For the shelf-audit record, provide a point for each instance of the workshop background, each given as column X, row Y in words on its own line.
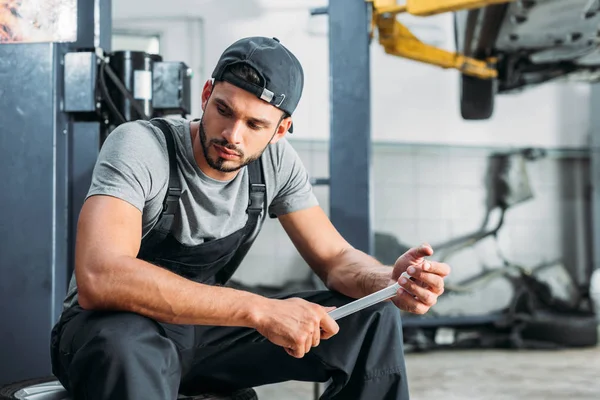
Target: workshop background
column 433, row 178
column 429, row 170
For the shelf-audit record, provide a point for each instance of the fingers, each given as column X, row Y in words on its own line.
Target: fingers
column 308, row 342
column 437, row 268
column 423, row 294
column 294, row 353
column 415, row 253
column 316, row 335
column 414, row 256
column 328, row 327
column 316, row 324
column 431, row 281
column 405, row 301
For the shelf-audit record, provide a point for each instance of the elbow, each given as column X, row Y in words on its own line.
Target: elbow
column 338, row 270
column 90, row 293
column 89, row 297
column 86, row 301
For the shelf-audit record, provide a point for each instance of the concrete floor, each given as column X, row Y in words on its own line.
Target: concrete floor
column 486, row 375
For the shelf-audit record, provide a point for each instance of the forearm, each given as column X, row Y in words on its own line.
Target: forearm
column 357, row 274
column 137, row 286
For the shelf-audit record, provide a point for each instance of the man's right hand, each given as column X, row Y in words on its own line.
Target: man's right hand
column 295, row 324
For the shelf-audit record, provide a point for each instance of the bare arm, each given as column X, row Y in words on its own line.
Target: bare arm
column 109, row 276
column 356, row 274
column 339, row 265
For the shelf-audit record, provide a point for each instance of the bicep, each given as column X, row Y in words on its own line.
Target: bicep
column 108, row 228
column 315, row 237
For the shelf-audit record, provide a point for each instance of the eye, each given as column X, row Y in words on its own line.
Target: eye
column 221, row 110
column 253, row 126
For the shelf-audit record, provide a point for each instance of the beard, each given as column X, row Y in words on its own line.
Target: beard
column 221, row 164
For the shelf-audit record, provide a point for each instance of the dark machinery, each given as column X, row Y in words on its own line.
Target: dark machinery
column 60, row 95
column 124, row 86
column 547, row 307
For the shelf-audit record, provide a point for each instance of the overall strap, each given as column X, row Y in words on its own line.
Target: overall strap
column 256, row 215
column 258, row 193
column 171, row 200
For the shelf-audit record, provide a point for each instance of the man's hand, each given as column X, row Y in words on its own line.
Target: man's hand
column 426, row 280
column 296, row 324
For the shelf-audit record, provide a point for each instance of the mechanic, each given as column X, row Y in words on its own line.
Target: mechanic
column 172, row 206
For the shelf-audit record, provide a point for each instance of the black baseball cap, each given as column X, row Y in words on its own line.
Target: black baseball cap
column 280, row 71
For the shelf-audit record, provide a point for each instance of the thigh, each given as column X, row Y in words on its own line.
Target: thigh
column 234, row 357
column 78, row 328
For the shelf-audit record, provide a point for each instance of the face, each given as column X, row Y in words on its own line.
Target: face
column 237, row 126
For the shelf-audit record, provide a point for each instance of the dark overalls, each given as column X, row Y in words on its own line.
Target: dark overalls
column 123, row 355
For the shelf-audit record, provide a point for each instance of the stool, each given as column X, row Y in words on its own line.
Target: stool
column 49, row 388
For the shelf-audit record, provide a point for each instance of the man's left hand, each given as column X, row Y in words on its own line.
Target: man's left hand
column 419, row 294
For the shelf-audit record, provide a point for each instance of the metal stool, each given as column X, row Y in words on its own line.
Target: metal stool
column 50, row 389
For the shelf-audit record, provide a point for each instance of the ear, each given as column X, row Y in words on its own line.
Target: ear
column 206, row 91
column 282, row 129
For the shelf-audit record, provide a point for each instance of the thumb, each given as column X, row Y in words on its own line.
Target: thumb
column 415, row 253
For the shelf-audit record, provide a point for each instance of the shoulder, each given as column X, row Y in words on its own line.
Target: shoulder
column 281, row 156
column 141, row 134
column 136, row 142
column 137, row 149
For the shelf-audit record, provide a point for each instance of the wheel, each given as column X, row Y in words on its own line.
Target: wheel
column 48, row 388
column 563, row 330
column 476, row 97
column 242, row 394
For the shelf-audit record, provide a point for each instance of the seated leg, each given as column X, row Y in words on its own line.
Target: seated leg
column 115, row 355
column 365, row 359
column 367, row 354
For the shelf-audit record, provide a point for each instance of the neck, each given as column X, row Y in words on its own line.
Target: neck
column 201, row 160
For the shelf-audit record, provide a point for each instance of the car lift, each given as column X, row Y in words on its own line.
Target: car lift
column 352, row 26
column 397, row 39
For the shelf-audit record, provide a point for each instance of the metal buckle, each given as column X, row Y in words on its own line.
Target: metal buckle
column 172, row 201
column 257, row 196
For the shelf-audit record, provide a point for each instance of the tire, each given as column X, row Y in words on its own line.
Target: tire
column 476, row 98
column 562, row 329
column 46, row 385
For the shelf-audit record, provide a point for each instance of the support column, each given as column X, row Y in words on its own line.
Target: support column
column 350, row 142
column 595, row 172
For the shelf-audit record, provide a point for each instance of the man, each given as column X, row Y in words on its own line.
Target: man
column 170, row 213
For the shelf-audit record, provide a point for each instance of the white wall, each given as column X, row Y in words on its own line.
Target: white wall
column 411, row 102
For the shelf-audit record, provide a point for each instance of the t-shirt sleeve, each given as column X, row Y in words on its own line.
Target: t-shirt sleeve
column 132, row 164
column 294, row 191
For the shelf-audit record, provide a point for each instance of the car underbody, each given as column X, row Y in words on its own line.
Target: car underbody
column 537, row 40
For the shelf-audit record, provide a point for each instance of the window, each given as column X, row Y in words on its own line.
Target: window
column 132, row 41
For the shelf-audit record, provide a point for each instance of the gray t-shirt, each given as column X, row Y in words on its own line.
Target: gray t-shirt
column 133, row 165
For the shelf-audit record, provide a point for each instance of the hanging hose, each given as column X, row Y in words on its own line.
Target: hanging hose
column 106, row 96
column 106, row 70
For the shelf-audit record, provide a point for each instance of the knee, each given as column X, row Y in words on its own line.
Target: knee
column 129, row 337
column 387, row 313
column 384, row 316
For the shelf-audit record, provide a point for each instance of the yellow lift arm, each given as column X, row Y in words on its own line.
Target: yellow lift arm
column 397, row 39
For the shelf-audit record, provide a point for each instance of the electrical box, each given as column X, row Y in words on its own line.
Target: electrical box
column 81, row 70
column 171, row 88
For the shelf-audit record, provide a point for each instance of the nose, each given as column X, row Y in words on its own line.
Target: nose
column 233, row 133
